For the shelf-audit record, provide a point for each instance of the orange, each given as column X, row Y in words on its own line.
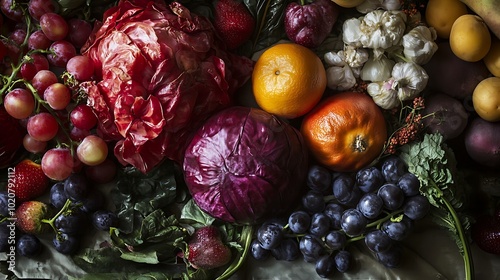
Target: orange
column 345, row 132
column 288, row 80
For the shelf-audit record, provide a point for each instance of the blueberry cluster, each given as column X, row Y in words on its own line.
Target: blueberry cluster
column 78, row 204
column 377, row 204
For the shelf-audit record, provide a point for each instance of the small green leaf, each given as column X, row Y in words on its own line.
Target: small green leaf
column 192, row 214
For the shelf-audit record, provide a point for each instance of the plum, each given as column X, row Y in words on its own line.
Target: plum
column 482, row 142
column 453, row 76
column 445, row 115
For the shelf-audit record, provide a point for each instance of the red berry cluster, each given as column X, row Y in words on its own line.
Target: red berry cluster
column 409, row 129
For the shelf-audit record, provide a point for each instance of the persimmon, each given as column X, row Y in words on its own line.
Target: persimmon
column 345, row 132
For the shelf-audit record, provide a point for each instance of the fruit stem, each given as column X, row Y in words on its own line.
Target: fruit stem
column 466, row 253
column 246, row 239
column 51, row 221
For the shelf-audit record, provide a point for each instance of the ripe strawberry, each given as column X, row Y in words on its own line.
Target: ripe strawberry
column 486, row 233
column 206, row 249
column 29, row 181
column 233, row 22
column 29, row 216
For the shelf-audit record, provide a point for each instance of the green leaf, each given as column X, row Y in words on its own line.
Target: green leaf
column 150, row 256
column 192, row 214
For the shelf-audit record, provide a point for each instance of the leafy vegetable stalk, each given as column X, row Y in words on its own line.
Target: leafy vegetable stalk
column 246, row 241
column 434, row 164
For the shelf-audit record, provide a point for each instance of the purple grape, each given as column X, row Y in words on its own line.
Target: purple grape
column 76, row 187
column 258, row 252
column 288, row 250
column 392, row 196
column 335, row 240
column 392, row 169
column 369, row 179
column 4, row 204
column 325, row 266
column 343, row 261
column 270, row 235
column 319, row 178
column 398, row 230
column 378, row 241
column 320, row 224
column 353, row 222
column 93, row 201
column 409, row 184
column 28, row 245
column 104, row 219
column 416, row 207
column 370, row 205
column 299, row 222
column 334, row 211
column 311, row 247
column 66, row 244
column 313, row 201
column 57, row 195
column 345, row 190
column 71, row 222
column 390, row 258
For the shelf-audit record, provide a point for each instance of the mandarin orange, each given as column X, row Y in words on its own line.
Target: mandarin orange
column 345, row 132
column 288, row 80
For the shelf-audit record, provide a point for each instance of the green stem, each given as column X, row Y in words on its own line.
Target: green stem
column 246, row 239
column 466, row 254
column 51, row 221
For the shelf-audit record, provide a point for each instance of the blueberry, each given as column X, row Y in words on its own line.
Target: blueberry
column 28, row 245
column 104, row 219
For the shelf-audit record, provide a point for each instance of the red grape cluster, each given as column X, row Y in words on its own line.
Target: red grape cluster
column 40, row 66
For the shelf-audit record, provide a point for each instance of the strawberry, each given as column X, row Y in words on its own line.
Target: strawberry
column 233, row 22
column 29, row 216
column 206, row 249
column 486, row 233
column 29, row 181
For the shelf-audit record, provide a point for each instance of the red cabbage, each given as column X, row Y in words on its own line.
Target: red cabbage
column 160, row 71
column 244, row 164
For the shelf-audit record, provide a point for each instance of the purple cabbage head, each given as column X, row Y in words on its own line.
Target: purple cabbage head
column 244, row 165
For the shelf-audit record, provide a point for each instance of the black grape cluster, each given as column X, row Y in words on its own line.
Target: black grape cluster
column 377, row 204
column 79, row 205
